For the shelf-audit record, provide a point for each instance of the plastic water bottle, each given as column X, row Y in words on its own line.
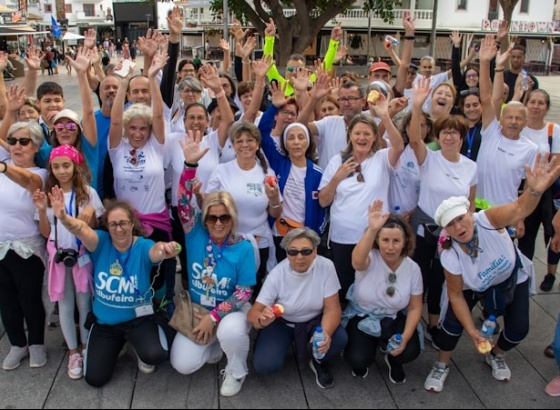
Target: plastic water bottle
column 524, row 80
column 512, row 231
column 397, row 210
column 394, row 342
column 391, row 40
column 318, row 336
column 488, row 327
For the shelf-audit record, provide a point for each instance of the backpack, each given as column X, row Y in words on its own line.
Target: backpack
column 555, row 187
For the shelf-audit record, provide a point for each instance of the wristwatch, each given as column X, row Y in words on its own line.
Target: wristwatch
column 5, row 167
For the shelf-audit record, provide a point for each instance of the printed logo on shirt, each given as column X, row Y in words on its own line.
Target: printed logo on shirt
column 315, row 194
column 410, row 164
column 498, row 267
column 209, row 283
column 113, row 288
column 255, row 189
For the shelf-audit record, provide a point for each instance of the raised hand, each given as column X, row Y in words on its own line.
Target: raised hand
column 56, row 197
column 300, row 79
column 209, row 74
column 237, row 31
column 246, row 49
column 33, row 58
column 456, row 37
column 3, row 60
column 503, row 30
column 224, row 45
column 261, row 67
column 408, row 23
column 159, row 61
column 376, row 219
column 40, row 200
column 83, row 60
column 16, row 98
column 191, row 147
column 336, row 83
column 543, row 174
column 175, row 21
column 90, row 38
column 149, row 45
column 340, row 53
column 381, row 107
column 488, row 48
column 336, row 33
column 322, row 86
column 278, row 94
column 502, row 58
column 421, row 92
column 270, row 29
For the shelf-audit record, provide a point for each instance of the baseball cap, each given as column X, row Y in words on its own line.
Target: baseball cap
column 380, row 65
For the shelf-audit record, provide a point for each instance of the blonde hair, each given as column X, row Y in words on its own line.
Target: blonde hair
column 220, row 198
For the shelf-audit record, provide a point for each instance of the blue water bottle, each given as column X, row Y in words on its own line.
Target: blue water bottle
column 318, row 336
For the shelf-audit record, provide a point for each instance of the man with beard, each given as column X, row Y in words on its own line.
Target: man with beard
column 516, row 62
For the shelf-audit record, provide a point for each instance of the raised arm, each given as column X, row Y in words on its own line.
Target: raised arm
column 498, row 87
column 31, row 78
column 158, row 123
column 455, row 37
column 245, row 52
column 260, row 68
column 486, row 53
column 406, row 56
column 76, row 227
column 3, row 91
column 116, row 129
column 226, row 62
column 268, row 49
column 381, row 110
column 336, row 35
column 149, row 46
column 376, row 220
column 82, row 64
column 175, row 22
column 16, row 99
column 320, row 89
column 419, row 96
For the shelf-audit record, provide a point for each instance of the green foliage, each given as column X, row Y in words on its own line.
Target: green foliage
column 383, row 8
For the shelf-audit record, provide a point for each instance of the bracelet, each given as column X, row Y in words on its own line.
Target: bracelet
column 499, row 70
column 220, row 94
column 188, row 165
column 536, row 193
column 246, row 62
column 409, row 37
column 259, row 85
column 275, row 206
column 5, row 167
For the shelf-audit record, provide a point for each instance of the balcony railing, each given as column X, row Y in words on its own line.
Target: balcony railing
column 361, row 14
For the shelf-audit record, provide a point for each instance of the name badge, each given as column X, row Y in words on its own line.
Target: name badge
column 83, row 261
column 208, row 301
column 144, row 310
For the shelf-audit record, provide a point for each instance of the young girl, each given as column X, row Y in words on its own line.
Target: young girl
column 70, row 269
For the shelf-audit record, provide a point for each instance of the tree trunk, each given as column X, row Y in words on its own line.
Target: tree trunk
column 294, row 39
column 507, row 7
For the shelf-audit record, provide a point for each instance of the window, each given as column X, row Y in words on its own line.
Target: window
column 524, row 6
column 68, row 8
column 493, row 10
column 48, row 8
column 89, row 10
column 461, row 4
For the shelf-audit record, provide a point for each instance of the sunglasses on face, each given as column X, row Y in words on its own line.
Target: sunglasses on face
column 70, row 126
column 213, row 219
column 24, row 142
column 291, row 69
column 392, row 278
column 295, row 252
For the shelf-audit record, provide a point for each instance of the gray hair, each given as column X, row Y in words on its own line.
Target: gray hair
column 429, row 58
column 35, row 131
column 297, row 233
column 190, row 82
column 138, row 111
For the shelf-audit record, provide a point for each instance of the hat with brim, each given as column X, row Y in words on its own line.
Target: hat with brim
column 70, row 115
column 450, row 209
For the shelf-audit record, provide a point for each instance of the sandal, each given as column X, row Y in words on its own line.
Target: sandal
column 548, row 352
column 548, row 282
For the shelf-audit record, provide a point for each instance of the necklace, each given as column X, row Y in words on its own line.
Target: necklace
column 210, row 263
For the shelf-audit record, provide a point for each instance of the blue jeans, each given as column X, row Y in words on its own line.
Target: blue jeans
column 556, row 342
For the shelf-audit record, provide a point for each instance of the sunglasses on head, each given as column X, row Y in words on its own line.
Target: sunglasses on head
column 360, row 176
column 470, row 91
column 22, row 141
column 224, row 219
column 70, row 126
column 392, row 278
column 295, row 252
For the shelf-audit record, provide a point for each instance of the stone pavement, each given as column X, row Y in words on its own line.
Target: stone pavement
column 469, row 385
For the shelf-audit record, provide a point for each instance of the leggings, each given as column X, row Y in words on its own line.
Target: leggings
column 342, row 259
column 516, row 321
column 21, row 284
column 106, row 341
column 361, row 348
column 542, row 214
column 66, row 312
column 432, row 272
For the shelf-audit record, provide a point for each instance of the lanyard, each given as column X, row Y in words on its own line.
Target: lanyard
column 211, row 261
column 69, row 212
column 470, row 140
column 122, row 259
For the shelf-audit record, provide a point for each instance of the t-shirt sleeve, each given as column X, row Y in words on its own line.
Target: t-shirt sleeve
column 555, row 139
column 330, row 170
column 332, row 284
column 247, row 266
column 450, row 261
column 417, row 287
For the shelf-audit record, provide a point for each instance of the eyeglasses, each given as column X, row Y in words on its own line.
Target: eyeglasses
column 189, row 91
column 411, row 73
column 471, row 76
column 360, row 176
column 122, row 224
column 291, row 69
column 288, row 113
column 349, row 99
column 133, row 157
column 24, row 142
column 213, row 219
column 70, row 126
column 470, row 91
column 452, row 133
column 304, row 252
column 392, row 279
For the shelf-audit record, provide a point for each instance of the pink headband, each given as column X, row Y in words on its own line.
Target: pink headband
column 67, row 151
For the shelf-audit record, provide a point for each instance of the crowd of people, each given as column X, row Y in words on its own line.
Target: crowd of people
column 348, row 206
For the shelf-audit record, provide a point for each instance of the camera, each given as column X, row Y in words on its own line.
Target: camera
column 68, row 257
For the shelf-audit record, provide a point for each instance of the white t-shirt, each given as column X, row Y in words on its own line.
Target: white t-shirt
column 18, row 210
column 247, row 189
column 492, row 266
column 65, row 239
column 293, row 206
column 142, row 185
column 404, row 188
column 332, row 138
column 501, row 164
column 350, row 206
column 435, row 80
column 174, row 159
column 370, row 286
column 540, row 137
column 301, row 294
column 440, row 179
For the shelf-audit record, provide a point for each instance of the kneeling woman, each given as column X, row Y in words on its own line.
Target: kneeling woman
column 388, row 283
column 482, row 263
column 122, row 302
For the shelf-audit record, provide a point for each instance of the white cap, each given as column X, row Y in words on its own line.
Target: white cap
column 450, row 209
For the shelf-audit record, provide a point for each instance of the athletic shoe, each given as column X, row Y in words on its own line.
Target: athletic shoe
column 323, row 376
column 37, row 356
column 14, row 358
column 75, row 366
column 396, row 372
column 500, row 370
column 231, row 386
column 436, row 378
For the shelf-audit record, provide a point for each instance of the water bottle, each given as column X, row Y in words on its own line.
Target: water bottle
column 318, row 336
column 397, row 210
column 487, row 331
column 394, row 342
column 512, row 231
column 524, row 80
column 391, row 40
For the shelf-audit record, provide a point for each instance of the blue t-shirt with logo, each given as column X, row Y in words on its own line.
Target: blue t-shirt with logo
column 235, row 266
column 120, row 280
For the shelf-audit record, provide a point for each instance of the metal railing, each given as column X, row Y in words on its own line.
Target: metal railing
column 361, row 14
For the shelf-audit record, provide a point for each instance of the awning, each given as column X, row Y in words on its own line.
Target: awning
column 33, row 16
column 16, row 30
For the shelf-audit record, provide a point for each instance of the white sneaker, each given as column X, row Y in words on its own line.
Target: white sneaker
column 230, row 386
column 436, row 377
column 214, row 360
column 144, row 367
column 500, row 370
column 75, row 366
column 14, row 358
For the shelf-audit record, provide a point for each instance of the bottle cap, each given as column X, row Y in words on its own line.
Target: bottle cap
column 398, row 336
column 492, row 318
column 319, row 329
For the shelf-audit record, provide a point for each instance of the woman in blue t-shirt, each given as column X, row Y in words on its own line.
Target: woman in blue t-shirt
column 123, row 289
